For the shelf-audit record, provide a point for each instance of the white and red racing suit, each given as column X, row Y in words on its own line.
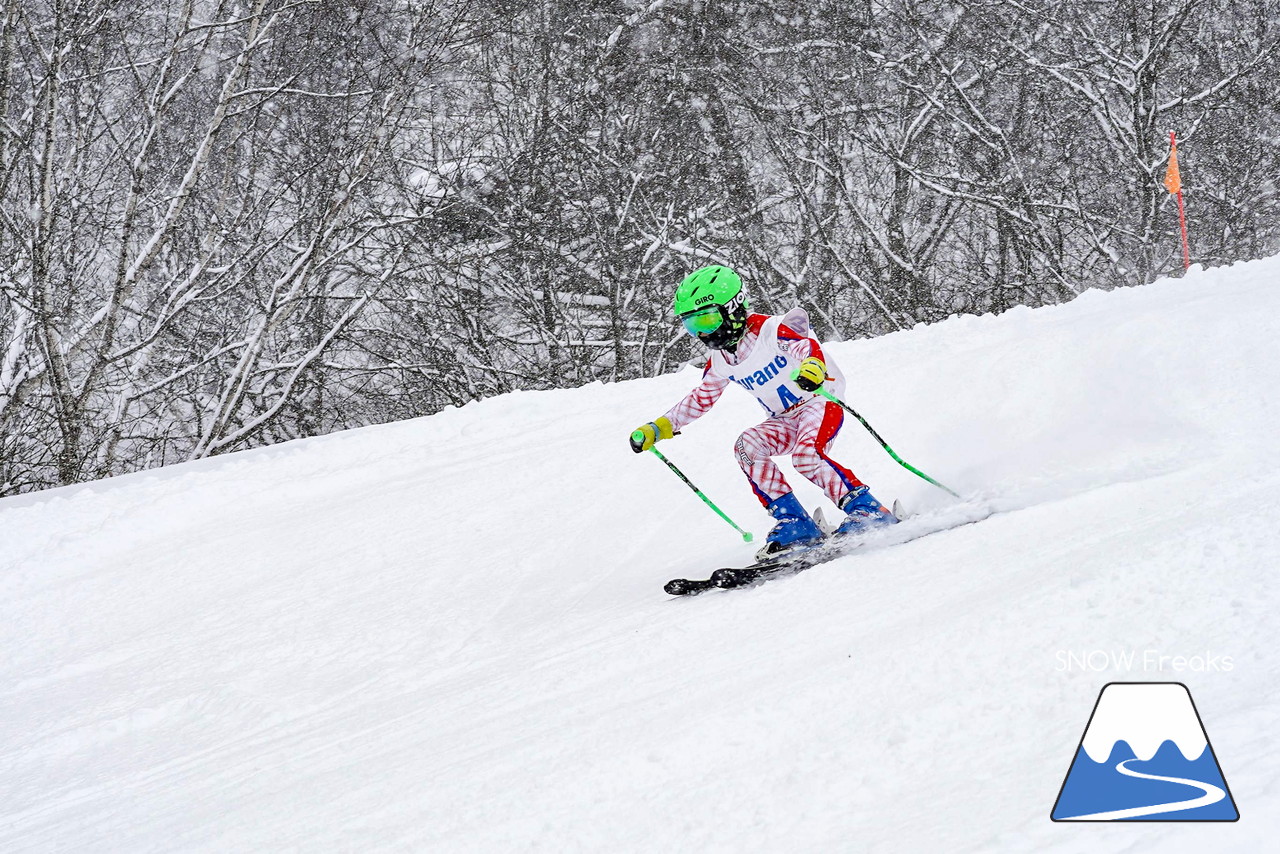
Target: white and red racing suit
column 800, row 423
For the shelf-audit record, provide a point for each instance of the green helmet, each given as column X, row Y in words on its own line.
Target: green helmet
column 712, row 305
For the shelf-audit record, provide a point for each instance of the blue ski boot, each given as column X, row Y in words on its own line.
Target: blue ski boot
column 862, row 513
column 795, row 527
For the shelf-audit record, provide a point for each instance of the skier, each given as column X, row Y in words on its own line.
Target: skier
column 761, row 353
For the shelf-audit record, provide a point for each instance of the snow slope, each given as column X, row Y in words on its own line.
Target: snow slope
column 450, row 633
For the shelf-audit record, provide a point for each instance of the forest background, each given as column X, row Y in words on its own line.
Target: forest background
column 228, row 224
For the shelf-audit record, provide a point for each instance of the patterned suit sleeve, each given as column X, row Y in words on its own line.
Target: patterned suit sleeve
column 698, row 401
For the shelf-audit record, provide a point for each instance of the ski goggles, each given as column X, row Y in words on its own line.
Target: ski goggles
column 704, row 321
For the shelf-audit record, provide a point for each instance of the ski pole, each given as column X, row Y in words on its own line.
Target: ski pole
column 638, row 436
column 900, row 461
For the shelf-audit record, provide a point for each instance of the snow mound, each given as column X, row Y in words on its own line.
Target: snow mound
column 450, row 633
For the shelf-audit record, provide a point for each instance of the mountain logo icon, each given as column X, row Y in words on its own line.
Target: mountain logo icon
column 1145, row 756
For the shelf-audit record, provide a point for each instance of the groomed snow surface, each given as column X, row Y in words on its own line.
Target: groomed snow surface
column 450, row 633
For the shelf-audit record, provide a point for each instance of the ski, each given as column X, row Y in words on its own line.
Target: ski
column 735, row 576
column 732, row 578
column 688, row 586
column 742, row 576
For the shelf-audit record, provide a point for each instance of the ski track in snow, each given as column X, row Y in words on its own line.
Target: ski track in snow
column 450, row 633
column 1210, row 794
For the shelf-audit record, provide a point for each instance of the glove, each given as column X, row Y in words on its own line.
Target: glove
column 654, row 431
column 812, row 373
